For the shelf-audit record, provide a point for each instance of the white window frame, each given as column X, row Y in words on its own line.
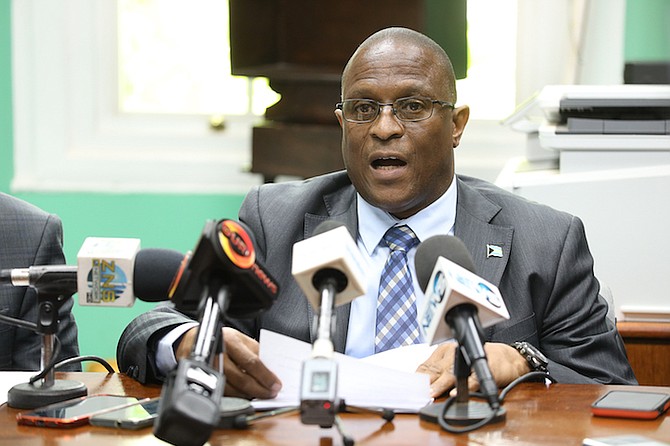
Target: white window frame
column 69, row 134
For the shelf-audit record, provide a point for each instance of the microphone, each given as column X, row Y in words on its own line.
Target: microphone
column 465, row 301
column 105, row 274
column 112, row 272
column 224, row 256
column 329, row 255
column 105, row 277
column 330, row 270
column 446, row 272
column 156, row 269
column 221, row 277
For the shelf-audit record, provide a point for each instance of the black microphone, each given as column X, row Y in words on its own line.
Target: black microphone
column 458, row 294
column 224, row 256
column 104, row 274
column 156, row 271
column 221, row 277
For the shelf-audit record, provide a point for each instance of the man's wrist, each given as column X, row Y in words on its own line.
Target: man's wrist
column 166, row 358
column 533, row 356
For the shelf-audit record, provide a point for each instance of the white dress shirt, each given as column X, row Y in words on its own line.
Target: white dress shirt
column 438, row 218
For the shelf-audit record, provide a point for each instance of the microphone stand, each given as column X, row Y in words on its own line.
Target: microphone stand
column 319, row 403
column 46, row 390
column 460, row 410
column 190, row 402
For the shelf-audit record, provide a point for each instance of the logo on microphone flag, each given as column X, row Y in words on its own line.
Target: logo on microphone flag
column 106, row 280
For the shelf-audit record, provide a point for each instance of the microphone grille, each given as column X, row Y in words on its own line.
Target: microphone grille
column 447, row 246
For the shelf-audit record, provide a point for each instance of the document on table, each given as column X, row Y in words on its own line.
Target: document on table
column 375, row 381
column 10, row 379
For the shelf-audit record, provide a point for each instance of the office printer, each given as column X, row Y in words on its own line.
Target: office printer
column 603, row 153
column 605, row 117
column 614, row 116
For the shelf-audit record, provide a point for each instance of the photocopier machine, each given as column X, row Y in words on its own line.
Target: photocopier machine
column 602, row 153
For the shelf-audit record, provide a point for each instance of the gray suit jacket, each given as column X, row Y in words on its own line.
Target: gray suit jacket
column 545, row 275
column 30, row 236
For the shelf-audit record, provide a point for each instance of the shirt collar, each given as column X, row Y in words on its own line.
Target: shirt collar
column 438, row 218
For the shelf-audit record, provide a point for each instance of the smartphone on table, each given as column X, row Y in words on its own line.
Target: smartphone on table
column 631, row 404
column 74, row 412
column 136, row 416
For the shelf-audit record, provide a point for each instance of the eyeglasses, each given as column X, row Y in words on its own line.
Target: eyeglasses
column 406, row 109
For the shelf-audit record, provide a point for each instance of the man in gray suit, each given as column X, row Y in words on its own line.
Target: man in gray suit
column 399, row 131
column 29, row 236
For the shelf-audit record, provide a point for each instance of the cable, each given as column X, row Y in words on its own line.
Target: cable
column 18, row 322
column 459, row 430
column 455, row 430
column 527, row 377
column 77, row 359
column 50, row 365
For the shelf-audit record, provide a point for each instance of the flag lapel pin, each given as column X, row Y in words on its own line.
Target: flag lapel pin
column 493, row 251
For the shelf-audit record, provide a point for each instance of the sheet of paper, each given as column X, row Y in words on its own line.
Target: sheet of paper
column 405, row 359
column 360, row 382
column 9, row 380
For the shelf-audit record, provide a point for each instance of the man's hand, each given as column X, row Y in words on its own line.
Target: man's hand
column 246, row 376
column 505, row 362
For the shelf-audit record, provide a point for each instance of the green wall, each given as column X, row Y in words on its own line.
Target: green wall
column 159, row 220
column 647, row 31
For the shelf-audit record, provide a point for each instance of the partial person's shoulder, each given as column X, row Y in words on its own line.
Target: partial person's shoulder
column 13, row 207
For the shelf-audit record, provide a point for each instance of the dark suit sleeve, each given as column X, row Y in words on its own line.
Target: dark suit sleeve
column 575, row 335
column 136, row 350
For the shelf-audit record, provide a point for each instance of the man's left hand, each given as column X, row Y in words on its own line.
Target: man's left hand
column 505, row 362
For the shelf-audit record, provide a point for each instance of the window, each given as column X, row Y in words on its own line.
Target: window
column 72, row 132
column 90, row 115
column 174, row 59
column 489, row 89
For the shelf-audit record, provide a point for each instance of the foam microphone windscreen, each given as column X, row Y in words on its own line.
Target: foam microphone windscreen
column 447, row 246
column 155, row 269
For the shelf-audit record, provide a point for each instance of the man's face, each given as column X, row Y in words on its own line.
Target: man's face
column 400, row 167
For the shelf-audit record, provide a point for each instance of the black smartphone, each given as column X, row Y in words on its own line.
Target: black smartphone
column 631, row 404
column 74, row 412
column 136, row 416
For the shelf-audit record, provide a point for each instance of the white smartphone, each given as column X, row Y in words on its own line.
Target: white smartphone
column 136, row 416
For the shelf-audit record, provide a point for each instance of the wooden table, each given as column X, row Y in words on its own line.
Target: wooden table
column 536, row 415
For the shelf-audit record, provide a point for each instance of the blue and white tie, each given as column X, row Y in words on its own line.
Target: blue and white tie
column 397, row 322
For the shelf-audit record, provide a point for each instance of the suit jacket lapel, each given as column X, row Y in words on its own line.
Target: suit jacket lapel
column 488, row 243
column 341, row 207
